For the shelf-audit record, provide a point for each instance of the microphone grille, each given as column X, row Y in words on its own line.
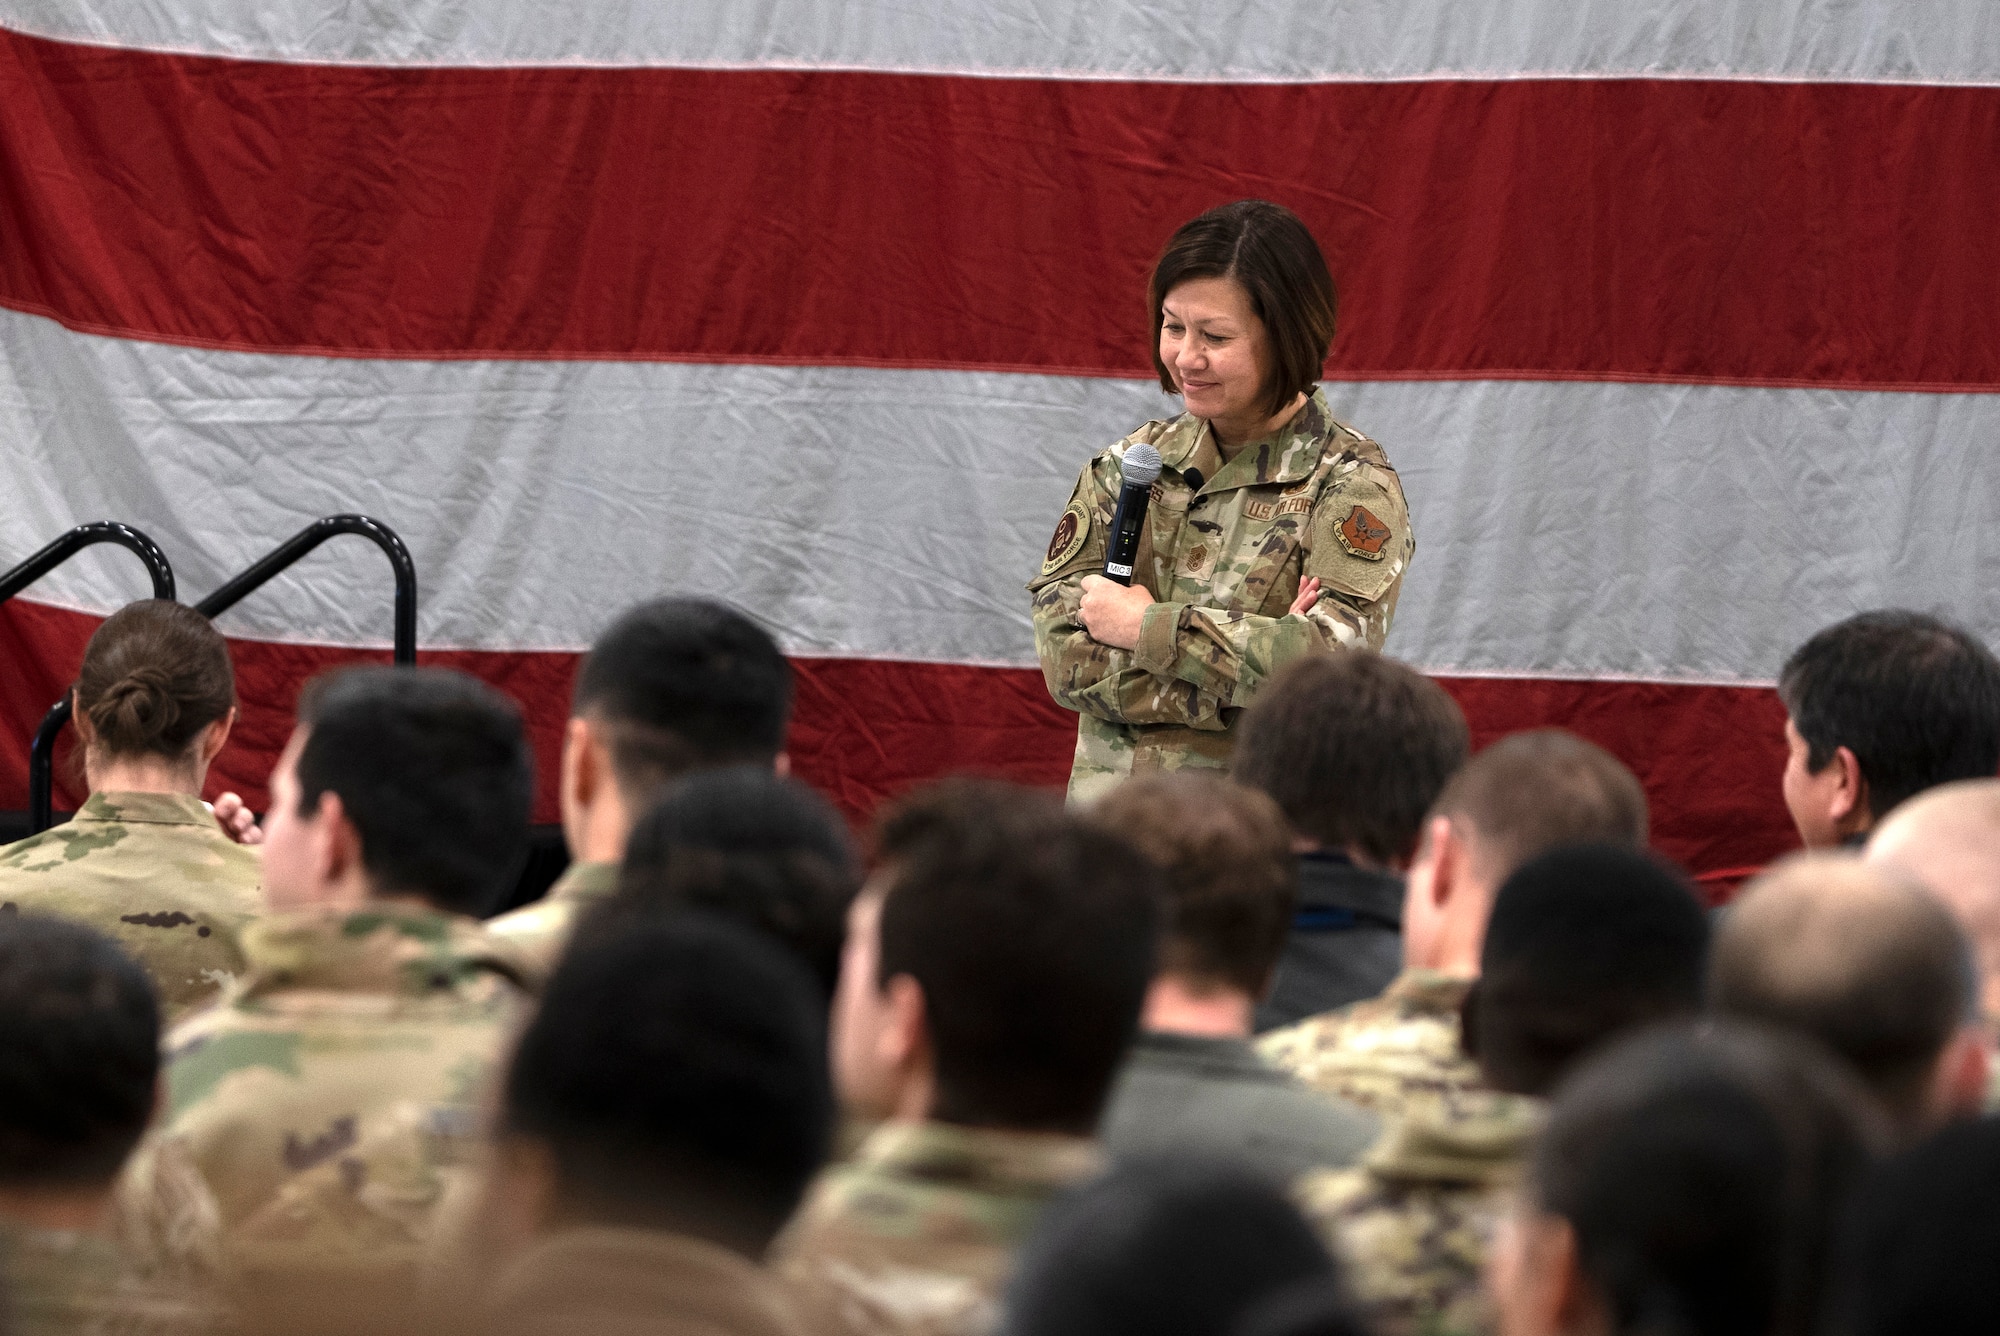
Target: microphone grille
column 1141, row 467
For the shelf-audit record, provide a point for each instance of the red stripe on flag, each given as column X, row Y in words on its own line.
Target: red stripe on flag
column 864, row 730
column 1627, row 229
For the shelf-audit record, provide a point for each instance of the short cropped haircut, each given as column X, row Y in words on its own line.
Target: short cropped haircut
column 1585, row 943
column 1162, row 1247
column 744, row 844
column 1870, row 966
column 1916, row 699
column 1268, row 249
column 79, row 1053
column 1231, row 880
column 677, row 1072
column 1032, row 934
column 683, row 684
column 1701, row 1171
column 1355, row 748
column 153, row 677
column 433, row 770
column 1917, row 1251
column 1532, row 792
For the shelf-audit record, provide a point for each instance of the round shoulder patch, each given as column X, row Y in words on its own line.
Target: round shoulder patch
column 1072, row 531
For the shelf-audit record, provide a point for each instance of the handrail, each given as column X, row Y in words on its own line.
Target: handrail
column 82, row 536
column 41, row 756
column 40, row 804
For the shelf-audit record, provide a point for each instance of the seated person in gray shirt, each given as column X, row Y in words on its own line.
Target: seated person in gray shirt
column 1354, row 748
column 1193, row 1084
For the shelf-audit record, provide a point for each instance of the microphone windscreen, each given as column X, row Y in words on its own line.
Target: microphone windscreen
column 1141, row 467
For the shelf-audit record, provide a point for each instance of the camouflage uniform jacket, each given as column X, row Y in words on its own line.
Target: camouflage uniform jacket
column 68, row 1283
column 316, row 1115
column 916, row 1235
column 536, row 934
column 1225, row 561
column 1396, row 1054
column 153, row 872
column 608, row 1281
column 1414, row 1224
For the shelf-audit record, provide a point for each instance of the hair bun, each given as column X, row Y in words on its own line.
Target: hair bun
column 137, row 710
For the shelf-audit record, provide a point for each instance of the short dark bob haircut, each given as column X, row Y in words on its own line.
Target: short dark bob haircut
column 1266, row 248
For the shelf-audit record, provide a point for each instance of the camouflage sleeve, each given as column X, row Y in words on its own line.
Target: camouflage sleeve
column 1087, row 675
column 1357, row 544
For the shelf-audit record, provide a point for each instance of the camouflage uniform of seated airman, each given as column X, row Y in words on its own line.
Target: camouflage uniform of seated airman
column 153, row 872
column 323, row 1107
column 1395, row 1055
column 1413, row 1224
column 1225, row 561
column 536, row 934
column 916, row 1235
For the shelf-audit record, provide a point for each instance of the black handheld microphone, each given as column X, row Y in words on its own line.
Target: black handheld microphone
column 1140, row 470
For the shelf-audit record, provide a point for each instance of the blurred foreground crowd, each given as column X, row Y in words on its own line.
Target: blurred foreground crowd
column 1372, row 1036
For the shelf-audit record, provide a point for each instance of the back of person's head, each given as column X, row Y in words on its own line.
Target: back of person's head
column 1535, row 791
column 1915, row 699
column 1916, row 1256
column 676, row 1073
column 1586, row 942
column 1948, row 839
column 154, row 675
column 1355, row 748
column 1231, row 879
column 432, row 769
column 79, row 1054
column 1161, row 1248
column 1698, row 1174
column 681, row 684
column 1870, row 966
column 748, row 845
column 1032, row 934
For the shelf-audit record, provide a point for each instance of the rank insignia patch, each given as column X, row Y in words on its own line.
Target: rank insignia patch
column 1071, row 532
column 1362, row 534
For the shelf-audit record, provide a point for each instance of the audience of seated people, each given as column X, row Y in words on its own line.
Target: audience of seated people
column 1585, row 943
column 674, row 686
column 143, row 861
column 1355, row 748
column 1193, row 1084
column 1522, row 796
column 1039, row 1035
column 1879, row 708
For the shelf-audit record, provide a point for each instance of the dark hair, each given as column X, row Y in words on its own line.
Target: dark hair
column 1032, row 934
column 1914, row 698
column 79, row 1053
column 1355, row 748
column 1232, row 883
column 1876, row 970
column 677, row 1072
column 1916, row 1253
column 1701, row 1171
column 1161, row 1247
column 1585, row 943
column 153, row 677
column 1532, row 792
column 1266, row 248
column 432, row 769
column 749, row 846
column 684, row 684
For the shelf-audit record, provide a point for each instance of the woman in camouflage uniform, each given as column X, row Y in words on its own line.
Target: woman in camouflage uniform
column 1274, row 530
column 144, row 861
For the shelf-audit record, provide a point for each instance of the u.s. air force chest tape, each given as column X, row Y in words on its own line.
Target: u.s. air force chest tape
column 1072, row 532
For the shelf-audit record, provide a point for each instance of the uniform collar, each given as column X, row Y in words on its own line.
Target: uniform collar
column 978, row 1158
column 585, row 881
column 1288, row 456
column 382, row 950
column 148, row 809
column 1429, row 993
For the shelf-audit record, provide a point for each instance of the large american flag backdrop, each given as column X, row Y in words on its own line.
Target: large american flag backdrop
column 1680, row 320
